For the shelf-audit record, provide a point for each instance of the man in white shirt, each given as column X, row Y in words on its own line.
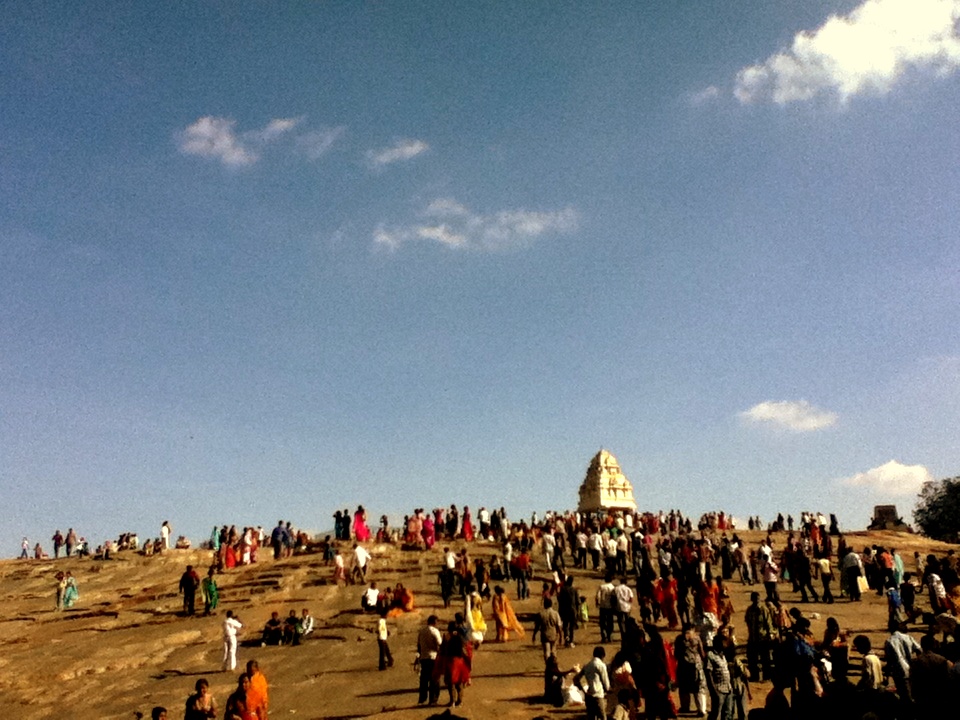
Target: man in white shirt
column 368, row 602
column 428, row 645
column 595, row 545
column 360, row 560
column 624, row 606
column 606, row 603
column 549, row 543
column 230, row 627
column 597, row 684
column 306, row 623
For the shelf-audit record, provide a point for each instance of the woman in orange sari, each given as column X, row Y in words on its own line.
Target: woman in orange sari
column 504, row 615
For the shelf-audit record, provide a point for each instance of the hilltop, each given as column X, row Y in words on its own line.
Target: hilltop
column 125, row 647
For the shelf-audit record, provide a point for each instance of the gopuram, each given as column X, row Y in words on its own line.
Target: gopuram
column 605, row 487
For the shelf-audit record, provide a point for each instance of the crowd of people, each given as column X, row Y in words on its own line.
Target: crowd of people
column 663, row 570
column 659, row 584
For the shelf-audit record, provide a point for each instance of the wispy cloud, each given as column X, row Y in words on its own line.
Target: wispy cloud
column 867, row 50
column 217, row 138
column 701, row 97
column 892, row 478
column 316, row 143
column 275, row 129
column 399, row 151
column 214, row 137
column 795, row 415
column 454, row 225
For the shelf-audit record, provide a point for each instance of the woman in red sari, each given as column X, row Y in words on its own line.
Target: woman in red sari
column 666, row 594
column 658, row 677
column 467, row 530
column 454, row 661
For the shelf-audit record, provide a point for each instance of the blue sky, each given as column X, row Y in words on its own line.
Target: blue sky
column 263, row 262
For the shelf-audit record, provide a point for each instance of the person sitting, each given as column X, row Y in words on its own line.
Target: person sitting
column 403, row 598
column 291, row 629
column 368, row 602
column 306, row 623
column 272, row 631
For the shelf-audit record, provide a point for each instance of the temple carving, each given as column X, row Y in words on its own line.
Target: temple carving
column 605, row 487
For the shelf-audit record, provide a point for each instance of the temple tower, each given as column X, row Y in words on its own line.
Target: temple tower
column 605, row 487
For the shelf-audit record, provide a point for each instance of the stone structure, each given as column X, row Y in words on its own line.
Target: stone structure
column 885, row 518
column 605, row 487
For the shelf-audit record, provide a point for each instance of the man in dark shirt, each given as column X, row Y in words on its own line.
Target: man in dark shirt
column 929, row 679
column 189, row 582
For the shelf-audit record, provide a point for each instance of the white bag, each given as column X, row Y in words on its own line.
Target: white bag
column 572, row 695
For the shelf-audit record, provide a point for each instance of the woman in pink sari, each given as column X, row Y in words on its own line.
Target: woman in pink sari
column 429, row 532
column 361, row 532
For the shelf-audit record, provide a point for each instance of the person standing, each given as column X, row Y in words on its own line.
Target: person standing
column 386, row 658
column 24, row 549
column 61, row 588
column 718, row 682
column 211, row 595
column 57, row 544
column 165, row 531
column 361, row 559
column 550, row 627
column 201, row 704
column 623, row 596
column 189, row 582
column 598, row 683
column 760, row 635
column 276, row 539
column 71, row 592
column 852, row 572
column 236, row 707
column 568, row 602
column 71, row 542
column 230, row 627
column 428, row 645
column 898, row 651
column 691, row 679
column 257, row 695
column 504, row 615
column 606, row 602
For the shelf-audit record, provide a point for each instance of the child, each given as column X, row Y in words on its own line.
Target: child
column 386, row 659
column 622, row 710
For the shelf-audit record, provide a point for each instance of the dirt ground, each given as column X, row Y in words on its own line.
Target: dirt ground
column 124, row 647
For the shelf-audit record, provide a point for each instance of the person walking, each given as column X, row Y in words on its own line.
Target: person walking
column 428, row 645
column 230, row 627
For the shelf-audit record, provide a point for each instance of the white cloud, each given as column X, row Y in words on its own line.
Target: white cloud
column 868, row 49
column 446, row 207
column 316, row 143
column 275, row 128
column 401, row 150
column 892, row 478
column 214, row 137
column 442, row 234
column 799, row 416
column 464, row 229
